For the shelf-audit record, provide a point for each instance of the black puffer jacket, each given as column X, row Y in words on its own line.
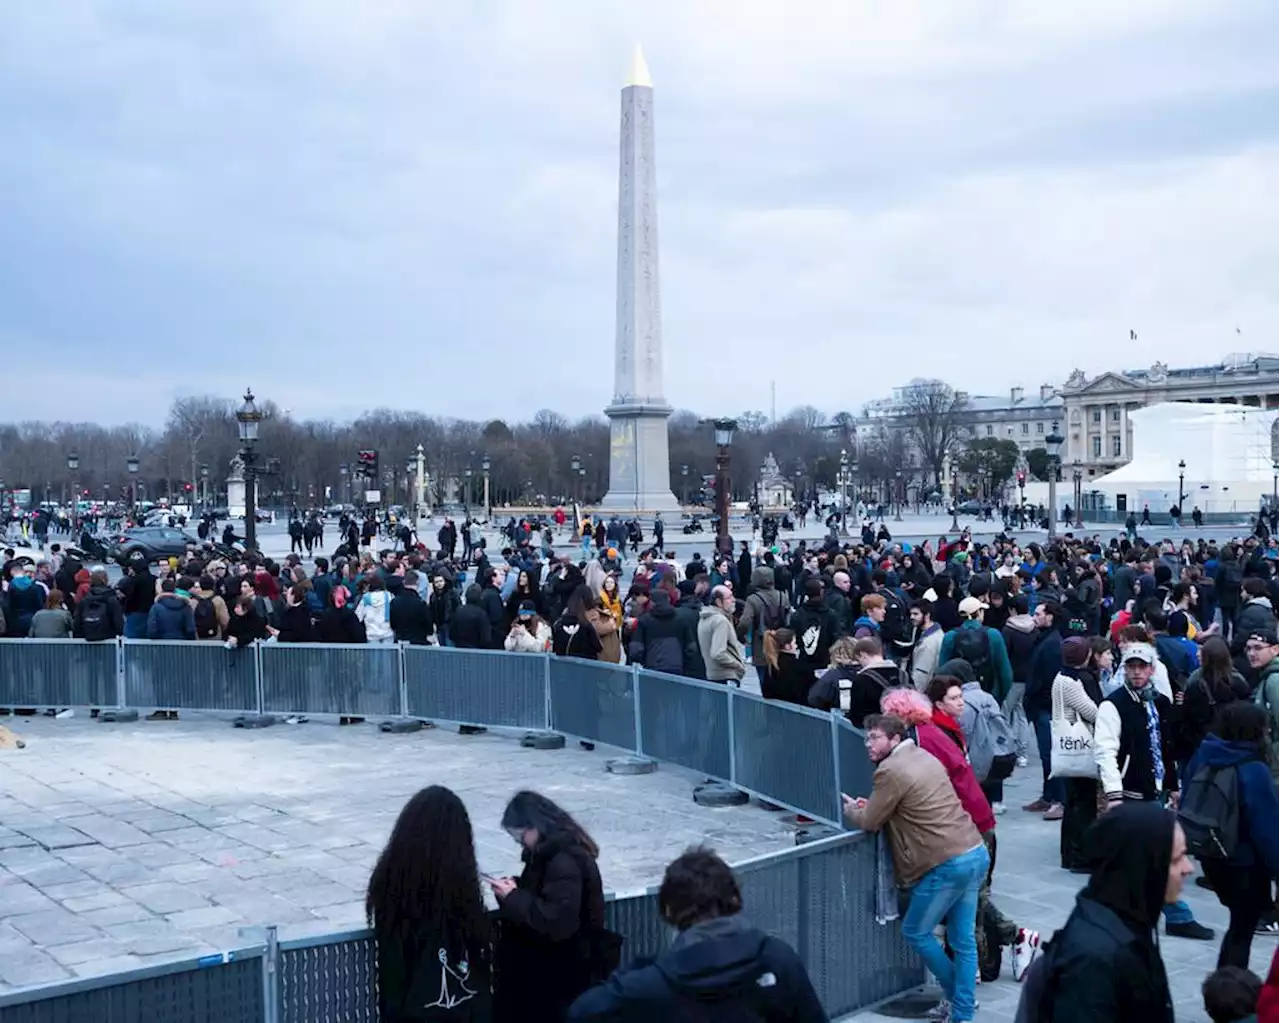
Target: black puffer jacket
column 542, row 958
column 1104, row 966
column 815, row 629
column 664, row 640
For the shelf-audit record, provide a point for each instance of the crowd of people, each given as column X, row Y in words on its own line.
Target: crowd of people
column 1144, row 673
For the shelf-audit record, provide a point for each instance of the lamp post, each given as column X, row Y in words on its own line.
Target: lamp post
column 843, row 482
column 488, row 503
column 419, row 481
column 466, row 500
column 575, row 463
column 897, row 494
column 1053, row 445
column 1275, row 487
column 248, row 417
column 1077, row 474
column 342, row 483
column 131, row 463
column 684, row 485
column 204, row 487
column 582, row 483
column 724, row 429
column 1182, row 475
column 955, row 500
column 73, row 466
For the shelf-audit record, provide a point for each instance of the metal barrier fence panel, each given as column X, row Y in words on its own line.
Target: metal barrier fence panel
column 636, row 918
column 856, row 768
column 476, row 687
column 770, row 896
column 330, row 678
column 593, row 700
column 329, row 980
column 783, row 753
column 853, row 960
column 685, row 722
column 186, row 675
column 57, row 673
column 207, row 991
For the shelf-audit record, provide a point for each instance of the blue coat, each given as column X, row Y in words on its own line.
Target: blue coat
column 171, row 617
column 1259, row 820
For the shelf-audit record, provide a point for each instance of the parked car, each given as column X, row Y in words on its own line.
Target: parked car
column 969, row 507
column 149, row 543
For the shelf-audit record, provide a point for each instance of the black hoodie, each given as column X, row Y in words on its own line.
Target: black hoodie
column 1104, row 966
column 722, row 969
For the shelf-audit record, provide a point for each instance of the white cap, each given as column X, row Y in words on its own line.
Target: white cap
column 1144, row 652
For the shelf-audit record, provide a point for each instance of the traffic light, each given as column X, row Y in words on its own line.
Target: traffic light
column 1022, row 477
column 367, row 460
column 188, row 488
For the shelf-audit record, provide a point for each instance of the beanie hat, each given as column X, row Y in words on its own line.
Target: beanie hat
column 1075, row 652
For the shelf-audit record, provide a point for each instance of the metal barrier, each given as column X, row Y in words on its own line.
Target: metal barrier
column 685, row 722
column 786, row 754
column 58, row 673
column 356, row 679
column 593, row 700
column 476, row 687
column 855, row 766
column 181, row 675
column 819, row 898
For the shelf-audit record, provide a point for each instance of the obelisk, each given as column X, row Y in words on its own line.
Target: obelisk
column 639, row 463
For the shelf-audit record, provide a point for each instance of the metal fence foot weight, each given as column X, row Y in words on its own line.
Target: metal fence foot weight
column 814, row 833
column 542, row 740
column 118, row 715
column 254, row 721
column 403, row 726
column 631, row 765
column 350, row 719
column 716, row 794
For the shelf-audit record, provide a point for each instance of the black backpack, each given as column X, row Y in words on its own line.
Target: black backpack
column 974, row 646
column 206, row 616
column 772, row 616
column 1209, row 812
column 95, row 618
column 893, row 628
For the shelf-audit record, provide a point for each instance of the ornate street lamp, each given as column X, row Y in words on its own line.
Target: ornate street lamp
column 485, row 465
column 842, row 481
column 1182, row 475
column 724, row 430
column 684, row 484
column 248, row 417
column 1077, row 474
column 1053, row 445
column 897, row 494
column 131, row 463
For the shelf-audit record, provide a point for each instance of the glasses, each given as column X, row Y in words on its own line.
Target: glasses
column 1253, row 648
column 872, row 738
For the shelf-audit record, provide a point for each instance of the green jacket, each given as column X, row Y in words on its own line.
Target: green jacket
column 1268, row 698
column 997, row 678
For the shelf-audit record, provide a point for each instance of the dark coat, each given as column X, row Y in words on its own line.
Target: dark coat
column 662, row 639
column 22, row 600
column 841, row 608
column 443, row 605
column 339, row 625
column 171, row 617
column 294, row 623
column 717, row 969
column 542, row 953
column 1199, row 705
column 570, row 638
column 491, row 602
column 139, row 592
column 1046, row 662
column 410, row 618
column 246, row 628
column 412, row 980
column 115, row 613
column 815, row 629
column 790, row 682
column 868, row 686
column 471, row 629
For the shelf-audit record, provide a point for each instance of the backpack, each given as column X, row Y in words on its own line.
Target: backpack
column 206, row 618
column 772, row 616
column 95, row 618
column 893, row 628
column 974, row 646
column 1209, row 812
column 991, row 748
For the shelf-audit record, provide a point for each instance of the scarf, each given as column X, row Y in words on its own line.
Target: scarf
column 951, row 727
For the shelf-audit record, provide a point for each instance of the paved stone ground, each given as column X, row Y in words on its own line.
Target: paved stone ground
column 1031, row 888
column 122, row 845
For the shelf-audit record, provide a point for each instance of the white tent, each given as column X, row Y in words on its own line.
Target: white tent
column 1229, row 451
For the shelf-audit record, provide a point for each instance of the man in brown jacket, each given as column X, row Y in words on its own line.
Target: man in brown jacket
column 937, row 854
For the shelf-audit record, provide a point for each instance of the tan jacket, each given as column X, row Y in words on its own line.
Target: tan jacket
column 911, row 791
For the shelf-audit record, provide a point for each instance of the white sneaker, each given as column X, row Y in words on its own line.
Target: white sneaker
column 940, row 1012
column 1022, row 761
column 1025, row 950
column 998, row 808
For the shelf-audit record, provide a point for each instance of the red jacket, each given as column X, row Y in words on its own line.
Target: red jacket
column 1267, row 999
column 931, row 738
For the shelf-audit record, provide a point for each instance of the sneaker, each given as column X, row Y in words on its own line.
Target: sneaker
column 1266, row 927
column 1039, row 806
column 1025, row 950
column 1054, row 813
column 940, row 1013
column 1022, row 761
column 1192, row 929
column 998, row 809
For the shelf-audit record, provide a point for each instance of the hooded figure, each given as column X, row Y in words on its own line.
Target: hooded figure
column 1104, row 966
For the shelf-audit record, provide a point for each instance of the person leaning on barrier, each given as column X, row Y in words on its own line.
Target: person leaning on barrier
column 245, row 624
column 718, row 966
column 471, row 629
column 54, row 621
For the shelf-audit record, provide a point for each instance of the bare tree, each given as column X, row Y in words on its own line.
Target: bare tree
column 932, row 413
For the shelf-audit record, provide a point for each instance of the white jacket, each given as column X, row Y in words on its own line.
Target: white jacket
column 374, row 612
column 924, row 658
column 522, row 641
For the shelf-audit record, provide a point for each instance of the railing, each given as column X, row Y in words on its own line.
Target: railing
column 820, row 898
column 792, row 756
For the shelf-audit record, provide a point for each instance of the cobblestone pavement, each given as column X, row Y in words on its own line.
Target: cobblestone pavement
column 122, row 845
column 1032, row 889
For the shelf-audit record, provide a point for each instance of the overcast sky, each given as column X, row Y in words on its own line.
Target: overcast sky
column 412, row 203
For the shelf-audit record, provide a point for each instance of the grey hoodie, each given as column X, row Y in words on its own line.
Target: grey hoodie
column 763, row 604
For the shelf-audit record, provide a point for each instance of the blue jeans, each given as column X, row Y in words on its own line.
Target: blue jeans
column 1053, row 791
column 949, row 892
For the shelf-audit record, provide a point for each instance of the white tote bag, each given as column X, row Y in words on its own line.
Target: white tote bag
column 1071, row 742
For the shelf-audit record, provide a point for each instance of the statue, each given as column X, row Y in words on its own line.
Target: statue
column 237, row 468
column 1158, row 373
column 1076, row 380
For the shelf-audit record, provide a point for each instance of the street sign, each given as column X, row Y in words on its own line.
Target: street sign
column 372, row 496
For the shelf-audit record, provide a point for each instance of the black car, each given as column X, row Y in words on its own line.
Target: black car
column 150, row 543
column 969, row 507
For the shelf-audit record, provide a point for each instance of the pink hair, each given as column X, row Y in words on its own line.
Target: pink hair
column 913, row 707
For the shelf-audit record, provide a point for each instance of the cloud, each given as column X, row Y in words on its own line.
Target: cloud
column 413, row 204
